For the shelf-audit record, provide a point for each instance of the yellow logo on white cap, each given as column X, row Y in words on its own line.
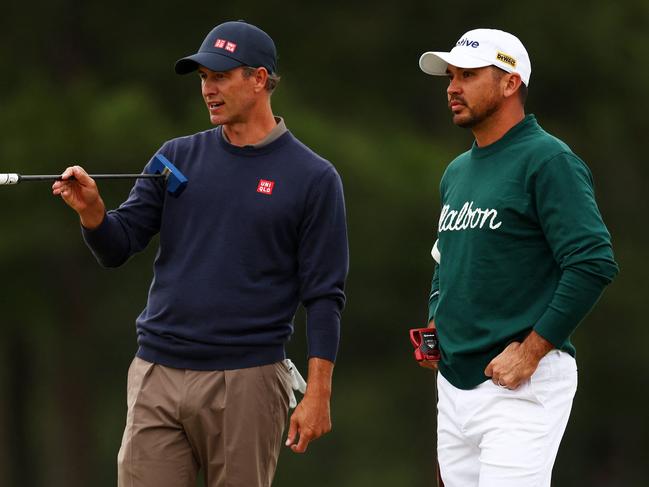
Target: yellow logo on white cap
column 505, row 58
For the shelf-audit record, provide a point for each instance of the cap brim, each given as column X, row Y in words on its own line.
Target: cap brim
column 436, row 63
column 211, row 60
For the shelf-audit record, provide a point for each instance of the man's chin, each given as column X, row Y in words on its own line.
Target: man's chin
column 218, row 119
column 464, row 122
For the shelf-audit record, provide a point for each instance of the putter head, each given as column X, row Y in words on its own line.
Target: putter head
column 176, row 181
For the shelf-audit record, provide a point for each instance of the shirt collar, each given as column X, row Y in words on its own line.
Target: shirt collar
column 276, row 132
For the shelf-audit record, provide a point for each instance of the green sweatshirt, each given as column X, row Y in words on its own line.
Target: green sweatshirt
column 523, row 247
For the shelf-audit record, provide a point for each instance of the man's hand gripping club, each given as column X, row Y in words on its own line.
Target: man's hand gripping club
column 82, row 195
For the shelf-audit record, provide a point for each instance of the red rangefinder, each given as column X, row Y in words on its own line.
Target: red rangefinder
column 426, row 344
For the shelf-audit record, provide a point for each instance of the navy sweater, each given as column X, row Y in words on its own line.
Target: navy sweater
column 256, row 232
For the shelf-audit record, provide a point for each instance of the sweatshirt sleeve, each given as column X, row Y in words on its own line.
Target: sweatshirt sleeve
column 579, row 240
column 434, row 294
column 433, row 299
column 323, row 260
column 128, row 229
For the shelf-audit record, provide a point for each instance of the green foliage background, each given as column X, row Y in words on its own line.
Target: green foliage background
column 92, row 83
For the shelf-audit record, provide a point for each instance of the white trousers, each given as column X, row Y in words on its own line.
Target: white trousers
column 490, row 436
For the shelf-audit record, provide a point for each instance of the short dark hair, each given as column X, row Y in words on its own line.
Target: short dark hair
column 271, row 82
column 522, row 93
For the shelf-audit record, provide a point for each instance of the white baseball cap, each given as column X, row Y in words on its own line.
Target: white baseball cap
column 479, row 48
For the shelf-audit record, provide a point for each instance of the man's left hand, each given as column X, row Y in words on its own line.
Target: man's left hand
column 518, row 361
column 312, row 418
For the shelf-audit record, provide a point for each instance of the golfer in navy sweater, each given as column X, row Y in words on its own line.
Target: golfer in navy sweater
column 259, row 228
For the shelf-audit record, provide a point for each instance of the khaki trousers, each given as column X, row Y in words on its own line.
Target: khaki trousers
column 227, row 423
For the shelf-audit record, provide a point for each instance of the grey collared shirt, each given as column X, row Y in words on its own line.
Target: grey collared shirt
column 277, row 131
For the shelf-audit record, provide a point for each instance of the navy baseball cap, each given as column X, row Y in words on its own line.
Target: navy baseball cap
column 230, row 45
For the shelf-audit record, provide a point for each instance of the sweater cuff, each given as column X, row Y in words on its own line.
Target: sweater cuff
column 552, row 328
column 104, row 243
column 96, row 234
column 323, row 329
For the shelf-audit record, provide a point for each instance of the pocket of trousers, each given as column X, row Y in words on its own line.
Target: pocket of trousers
column 557, row 372
column 138, row 371
column 277, row 387
column 284, row 384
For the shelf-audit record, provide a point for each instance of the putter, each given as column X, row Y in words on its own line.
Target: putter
column 161, row 167
column 426, row 345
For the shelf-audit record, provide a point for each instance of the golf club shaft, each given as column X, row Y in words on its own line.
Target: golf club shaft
column 160, row 167
column 57, row 177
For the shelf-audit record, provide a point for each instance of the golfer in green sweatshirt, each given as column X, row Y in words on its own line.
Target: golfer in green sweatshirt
column 523, row 256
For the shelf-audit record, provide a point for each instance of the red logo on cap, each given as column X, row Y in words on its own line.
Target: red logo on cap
column 220, row 43
column 231, row 46
column 265, row 187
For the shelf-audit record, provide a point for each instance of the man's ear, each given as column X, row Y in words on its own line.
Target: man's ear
column 261, row 76
column 512, row 81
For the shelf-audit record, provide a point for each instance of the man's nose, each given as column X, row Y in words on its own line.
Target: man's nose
column 453, row 88
column 208, row 88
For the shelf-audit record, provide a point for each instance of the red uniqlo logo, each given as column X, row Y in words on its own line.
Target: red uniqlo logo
column 231, row 46
column 220, row 43
column 265, row 187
